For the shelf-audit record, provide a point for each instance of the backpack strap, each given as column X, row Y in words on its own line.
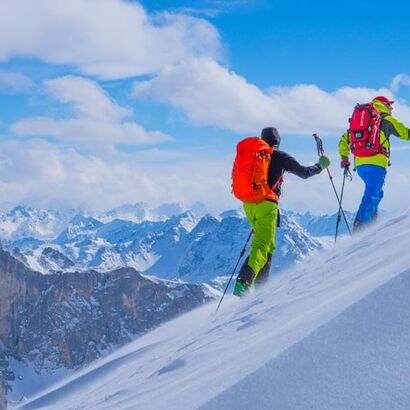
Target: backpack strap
column 387, row 138
column 277, row 185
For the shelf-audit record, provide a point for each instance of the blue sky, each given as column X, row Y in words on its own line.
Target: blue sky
column 112, row 101
column 308, row 42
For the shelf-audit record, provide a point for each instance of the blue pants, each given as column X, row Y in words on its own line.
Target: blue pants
column 373, row 177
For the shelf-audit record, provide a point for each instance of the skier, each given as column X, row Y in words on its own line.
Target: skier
column 370, row 146
column 263, row 213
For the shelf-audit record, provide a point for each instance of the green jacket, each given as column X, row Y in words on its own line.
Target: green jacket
column 389, row 126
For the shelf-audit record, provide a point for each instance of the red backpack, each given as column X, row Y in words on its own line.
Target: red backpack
column 364, row 131
column 250, row 171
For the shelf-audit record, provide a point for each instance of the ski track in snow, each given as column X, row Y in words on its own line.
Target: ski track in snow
column 331, row 334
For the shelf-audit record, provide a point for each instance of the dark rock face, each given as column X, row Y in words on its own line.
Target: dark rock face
column 20, row 289
column 70, row 319
column 51, row 259
column 3, row 404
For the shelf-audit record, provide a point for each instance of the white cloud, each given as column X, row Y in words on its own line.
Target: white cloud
column 15, row 81
column 212, row 8
column 316, row 194
column 396, row 189
column 89, row 100
column 105, row 38
column 398, row 81
column 39, row 172
column 211, row 95
column 97, row 118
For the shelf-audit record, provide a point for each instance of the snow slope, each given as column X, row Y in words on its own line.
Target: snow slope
column 331, row 334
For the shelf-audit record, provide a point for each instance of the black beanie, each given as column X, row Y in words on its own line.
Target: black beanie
column 271, row 136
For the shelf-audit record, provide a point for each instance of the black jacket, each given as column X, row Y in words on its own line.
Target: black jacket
column 281, row 162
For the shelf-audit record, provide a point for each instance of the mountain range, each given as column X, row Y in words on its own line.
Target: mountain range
column 170, row 244
column 74, row 286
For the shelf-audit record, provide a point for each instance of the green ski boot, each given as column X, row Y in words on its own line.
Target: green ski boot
column 244, row 280
column 240, row 289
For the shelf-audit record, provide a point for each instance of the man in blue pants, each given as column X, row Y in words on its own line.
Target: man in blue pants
column 373, row 177
column 372, row 168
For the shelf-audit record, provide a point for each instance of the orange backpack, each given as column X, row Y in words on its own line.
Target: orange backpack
column 250, row 171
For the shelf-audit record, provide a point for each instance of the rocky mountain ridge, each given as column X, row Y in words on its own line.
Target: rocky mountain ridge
column 65, row 320
column 3, row 402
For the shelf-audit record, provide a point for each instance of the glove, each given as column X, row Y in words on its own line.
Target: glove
column 345, row 163
column 324, row 162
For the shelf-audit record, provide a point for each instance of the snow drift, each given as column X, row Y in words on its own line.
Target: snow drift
column 332, row 333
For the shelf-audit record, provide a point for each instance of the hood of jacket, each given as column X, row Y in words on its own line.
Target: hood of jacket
column 381, row 107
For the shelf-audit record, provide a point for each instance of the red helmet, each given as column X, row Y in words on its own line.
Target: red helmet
column 383, row 99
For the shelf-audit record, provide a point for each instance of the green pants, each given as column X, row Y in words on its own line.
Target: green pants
column 262, row 217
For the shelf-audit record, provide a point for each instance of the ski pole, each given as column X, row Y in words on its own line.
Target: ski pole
column 346, row 175
column 234, row 269
column 320, row 152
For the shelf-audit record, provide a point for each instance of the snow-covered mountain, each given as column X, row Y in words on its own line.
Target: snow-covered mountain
column 141, row 211
column 214, row 246
column 323, row 225
column 331, row 334
column 184, row 246
column 25, row 222
column 22, row 222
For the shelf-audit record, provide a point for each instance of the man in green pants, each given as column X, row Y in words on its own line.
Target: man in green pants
column 263, row 215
